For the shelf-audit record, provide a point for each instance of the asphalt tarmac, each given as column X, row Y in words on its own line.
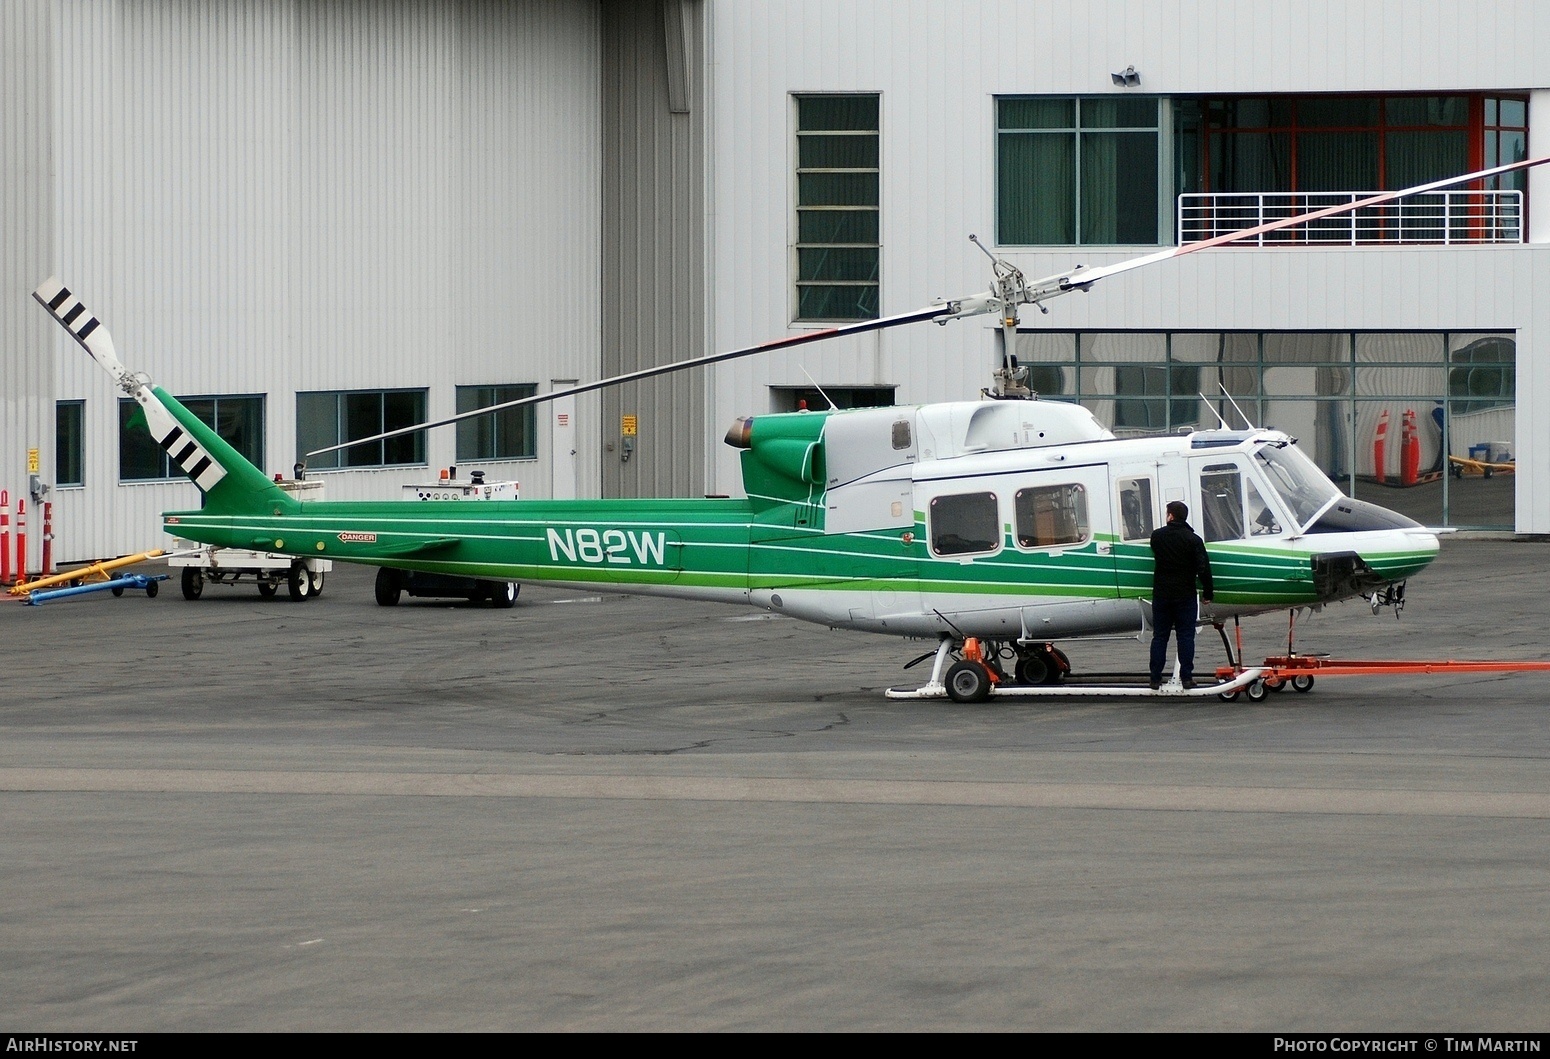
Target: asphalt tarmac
column 601, row 812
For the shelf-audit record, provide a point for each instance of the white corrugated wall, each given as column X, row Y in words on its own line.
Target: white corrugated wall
column 268, row 196
column 939, row 66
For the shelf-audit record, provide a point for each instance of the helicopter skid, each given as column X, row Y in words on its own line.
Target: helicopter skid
column 1172, row 690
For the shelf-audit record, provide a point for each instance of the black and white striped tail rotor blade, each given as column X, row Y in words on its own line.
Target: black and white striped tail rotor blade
column 83, row 326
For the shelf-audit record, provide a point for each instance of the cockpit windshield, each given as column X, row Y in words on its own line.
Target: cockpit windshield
column 1302, row 485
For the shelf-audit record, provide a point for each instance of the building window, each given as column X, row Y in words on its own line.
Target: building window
column 237, row 420
column 70, row 443
column 330, row 417
column 838, row 198
column 1077, row 171
column 1345, row 143
column 510, row 434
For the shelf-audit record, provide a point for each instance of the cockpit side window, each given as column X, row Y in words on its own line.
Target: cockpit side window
column 1221, row 502
column 965, row 523
column 1263, row 520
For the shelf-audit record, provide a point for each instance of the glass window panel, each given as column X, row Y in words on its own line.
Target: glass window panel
column 1475, row 500
column 837, row 189
column 1394, row 471
column 317, row 426
column 1336, row 111
column 1400, row 347
column 70, row 443
column 1323, row 432
column 1036, row 181
column 140, row 458
column 1150, row 347
column 239, row 421
column 1337, row 161
column 507, row 435
column 403, row 408
column 1423, row 380
column 1307, row 381
column 1237, row 380
column 1482, row 372
column 1419, row 157
column 1427, row 110
column 817, row 302
column 1251, row 162
column 1513, row 113
column 837, row 152
column 836, row 263
column 1307, row 347
column 362, row 419
column 1119, row 188
column 1033, row 346
column 842, row 112
column 1036, row 113
column 1050, row 380
column 1203, row 347
column 1119, row 112
column 837, row 226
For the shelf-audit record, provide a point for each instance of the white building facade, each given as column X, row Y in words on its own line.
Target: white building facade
column 312, row 219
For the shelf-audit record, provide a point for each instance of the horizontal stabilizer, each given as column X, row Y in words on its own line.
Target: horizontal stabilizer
column 435, row 544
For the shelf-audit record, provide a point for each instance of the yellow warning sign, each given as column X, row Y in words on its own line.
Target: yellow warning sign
column 627, row 426
column 32, row 461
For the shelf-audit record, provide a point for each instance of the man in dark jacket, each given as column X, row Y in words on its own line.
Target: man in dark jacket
column 1180, row 560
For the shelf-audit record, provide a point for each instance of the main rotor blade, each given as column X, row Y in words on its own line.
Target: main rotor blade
column 1082, row 278
column 1009, row 291
column 861, row 327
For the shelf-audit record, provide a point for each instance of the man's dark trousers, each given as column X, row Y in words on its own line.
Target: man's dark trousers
column 1169, row 615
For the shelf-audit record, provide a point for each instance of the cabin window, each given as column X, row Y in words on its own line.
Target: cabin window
column 1136, row 520
column 838, row 195
column 1051, row 515
column 510, row 434
column 238, row 420
column 70, row 443
column 330, row 417
column 1221, row 502
column 965, row 523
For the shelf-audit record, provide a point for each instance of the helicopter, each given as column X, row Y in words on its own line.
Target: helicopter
column 996, row 527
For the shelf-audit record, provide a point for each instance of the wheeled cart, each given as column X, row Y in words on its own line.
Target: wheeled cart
column 203, row 565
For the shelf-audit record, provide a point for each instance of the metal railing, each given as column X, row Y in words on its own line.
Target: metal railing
column 1434, row 217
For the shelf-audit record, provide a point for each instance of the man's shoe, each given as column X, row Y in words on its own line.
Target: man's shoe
column 1188, row 685
column 1156, row 685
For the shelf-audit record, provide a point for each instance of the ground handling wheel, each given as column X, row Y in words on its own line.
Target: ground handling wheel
column 266, row 588
column 968, row 682
column 1256, row 691
column 1302, row 682
column 193, row 583
column 388, row 588
column 299, row 581
column 503, row 594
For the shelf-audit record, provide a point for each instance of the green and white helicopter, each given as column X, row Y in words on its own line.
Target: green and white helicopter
column 996, row 527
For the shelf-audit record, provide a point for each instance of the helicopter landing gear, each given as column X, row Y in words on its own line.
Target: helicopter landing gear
column 1042, row 663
